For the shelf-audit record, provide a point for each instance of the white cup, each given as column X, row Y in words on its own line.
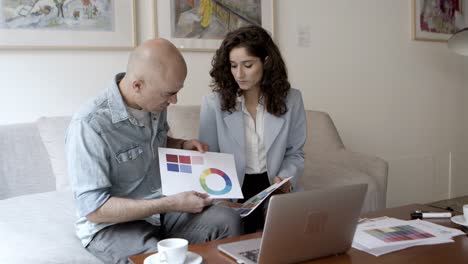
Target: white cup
column 172, row 250
column 465, row 212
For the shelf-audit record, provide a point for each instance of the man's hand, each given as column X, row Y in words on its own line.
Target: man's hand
column 191, row 202
column 286, row 187
column 118, row 210
column 194, row 144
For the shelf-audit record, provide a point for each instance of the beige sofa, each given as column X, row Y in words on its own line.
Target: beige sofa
column 37, row 223
column 327, row 161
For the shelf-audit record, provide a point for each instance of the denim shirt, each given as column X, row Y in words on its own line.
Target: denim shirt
column 110, row 153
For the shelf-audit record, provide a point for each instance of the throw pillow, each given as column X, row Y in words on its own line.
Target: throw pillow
column 52, row 131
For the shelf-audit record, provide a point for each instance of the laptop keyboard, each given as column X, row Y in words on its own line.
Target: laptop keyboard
column 251, row 254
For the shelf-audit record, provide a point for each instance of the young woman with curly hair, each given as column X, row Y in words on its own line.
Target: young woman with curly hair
column 254, row 114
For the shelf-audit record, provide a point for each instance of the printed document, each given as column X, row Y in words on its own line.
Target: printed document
column 384, row 235
column 257, row 199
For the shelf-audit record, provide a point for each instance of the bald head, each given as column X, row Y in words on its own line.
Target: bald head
column 156, row 71
column 155, row 58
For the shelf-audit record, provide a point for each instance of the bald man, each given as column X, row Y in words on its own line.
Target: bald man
column 112, row 153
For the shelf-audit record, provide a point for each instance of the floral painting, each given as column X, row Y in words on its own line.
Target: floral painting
column 67, row 24
column 437, row 19
column 95, row 15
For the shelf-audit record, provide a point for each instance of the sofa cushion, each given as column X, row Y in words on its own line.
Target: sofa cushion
column 24, row 167
column 52, row 131
column 321, row 133
column 39, row 228
column 184, row 121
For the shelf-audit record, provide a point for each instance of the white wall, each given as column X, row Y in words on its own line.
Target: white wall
column 388, row 95
column 397, row 98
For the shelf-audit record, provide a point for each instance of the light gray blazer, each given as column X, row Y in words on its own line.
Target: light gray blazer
column 284, row 137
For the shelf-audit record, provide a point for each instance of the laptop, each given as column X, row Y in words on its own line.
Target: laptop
column 304, row 225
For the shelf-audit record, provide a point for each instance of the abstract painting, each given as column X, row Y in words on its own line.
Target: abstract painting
column 202, row 24
column 436, row 20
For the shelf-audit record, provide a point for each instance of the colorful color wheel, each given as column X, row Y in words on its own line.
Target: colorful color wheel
column 223, row 175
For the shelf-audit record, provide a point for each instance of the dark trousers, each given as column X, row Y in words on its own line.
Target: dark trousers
column 252, row 185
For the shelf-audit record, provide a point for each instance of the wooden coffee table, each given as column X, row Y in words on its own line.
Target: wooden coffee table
column 455, row 204
column 444, row 253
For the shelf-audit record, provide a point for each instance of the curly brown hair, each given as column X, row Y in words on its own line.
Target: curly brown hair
column 274, row 85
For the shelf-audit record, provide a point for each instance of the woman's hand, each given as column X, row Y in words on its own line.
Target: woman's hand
column 286, row 187
column 194, row 144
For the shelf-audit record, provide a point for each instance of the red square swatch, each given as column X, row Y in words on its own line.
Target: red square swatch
column 184, row 159
column 171, row 158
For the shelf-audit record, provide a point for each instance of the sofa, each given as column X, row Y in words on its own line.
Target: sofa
column 36, row 203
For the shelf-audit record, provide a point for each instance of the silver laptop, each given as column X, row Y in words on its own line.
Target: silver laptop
column 304, row 225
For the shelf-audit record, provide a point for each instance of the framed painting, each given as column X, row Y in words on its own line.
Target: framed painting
column 436, row 20
column 200, row 25
column 67, row 24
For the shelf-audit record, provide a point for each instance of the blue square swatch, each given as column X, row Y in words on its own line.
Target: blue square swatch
column 185, row 168
column 172, row 167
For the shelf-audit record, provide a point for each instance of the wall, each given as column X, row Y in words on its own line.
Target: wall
column 459, row 184
column 388, row 95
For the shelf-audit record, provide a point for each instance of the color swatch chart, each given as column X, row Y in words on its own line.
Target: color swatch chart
column 208, row 172
column 181, row 163
column 398, row 233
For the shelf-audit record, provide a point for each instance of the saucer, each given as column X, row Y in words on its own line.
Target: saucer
column 460, row 220
column 192, row 258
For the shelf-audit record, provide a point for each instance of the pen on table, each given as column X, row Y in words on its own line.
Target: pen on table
column 423, row 214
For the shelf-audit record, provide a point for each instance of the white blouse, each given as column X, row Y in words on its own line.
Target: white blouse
column 255, row 154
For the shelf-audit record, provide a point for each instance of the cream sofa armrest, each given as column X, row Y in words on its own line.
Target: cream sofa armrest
column 345, row 167
column 372, row 165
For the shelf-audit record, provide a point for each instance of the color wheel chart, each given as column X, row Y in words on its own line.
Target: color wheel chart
column 220, row 173
column 398, row 233
column 209, row 172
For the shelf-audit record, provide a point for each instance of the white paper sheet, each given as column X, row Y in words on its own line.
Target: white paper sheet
column 384, row 235
column 209, row 172
column 388, row 249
